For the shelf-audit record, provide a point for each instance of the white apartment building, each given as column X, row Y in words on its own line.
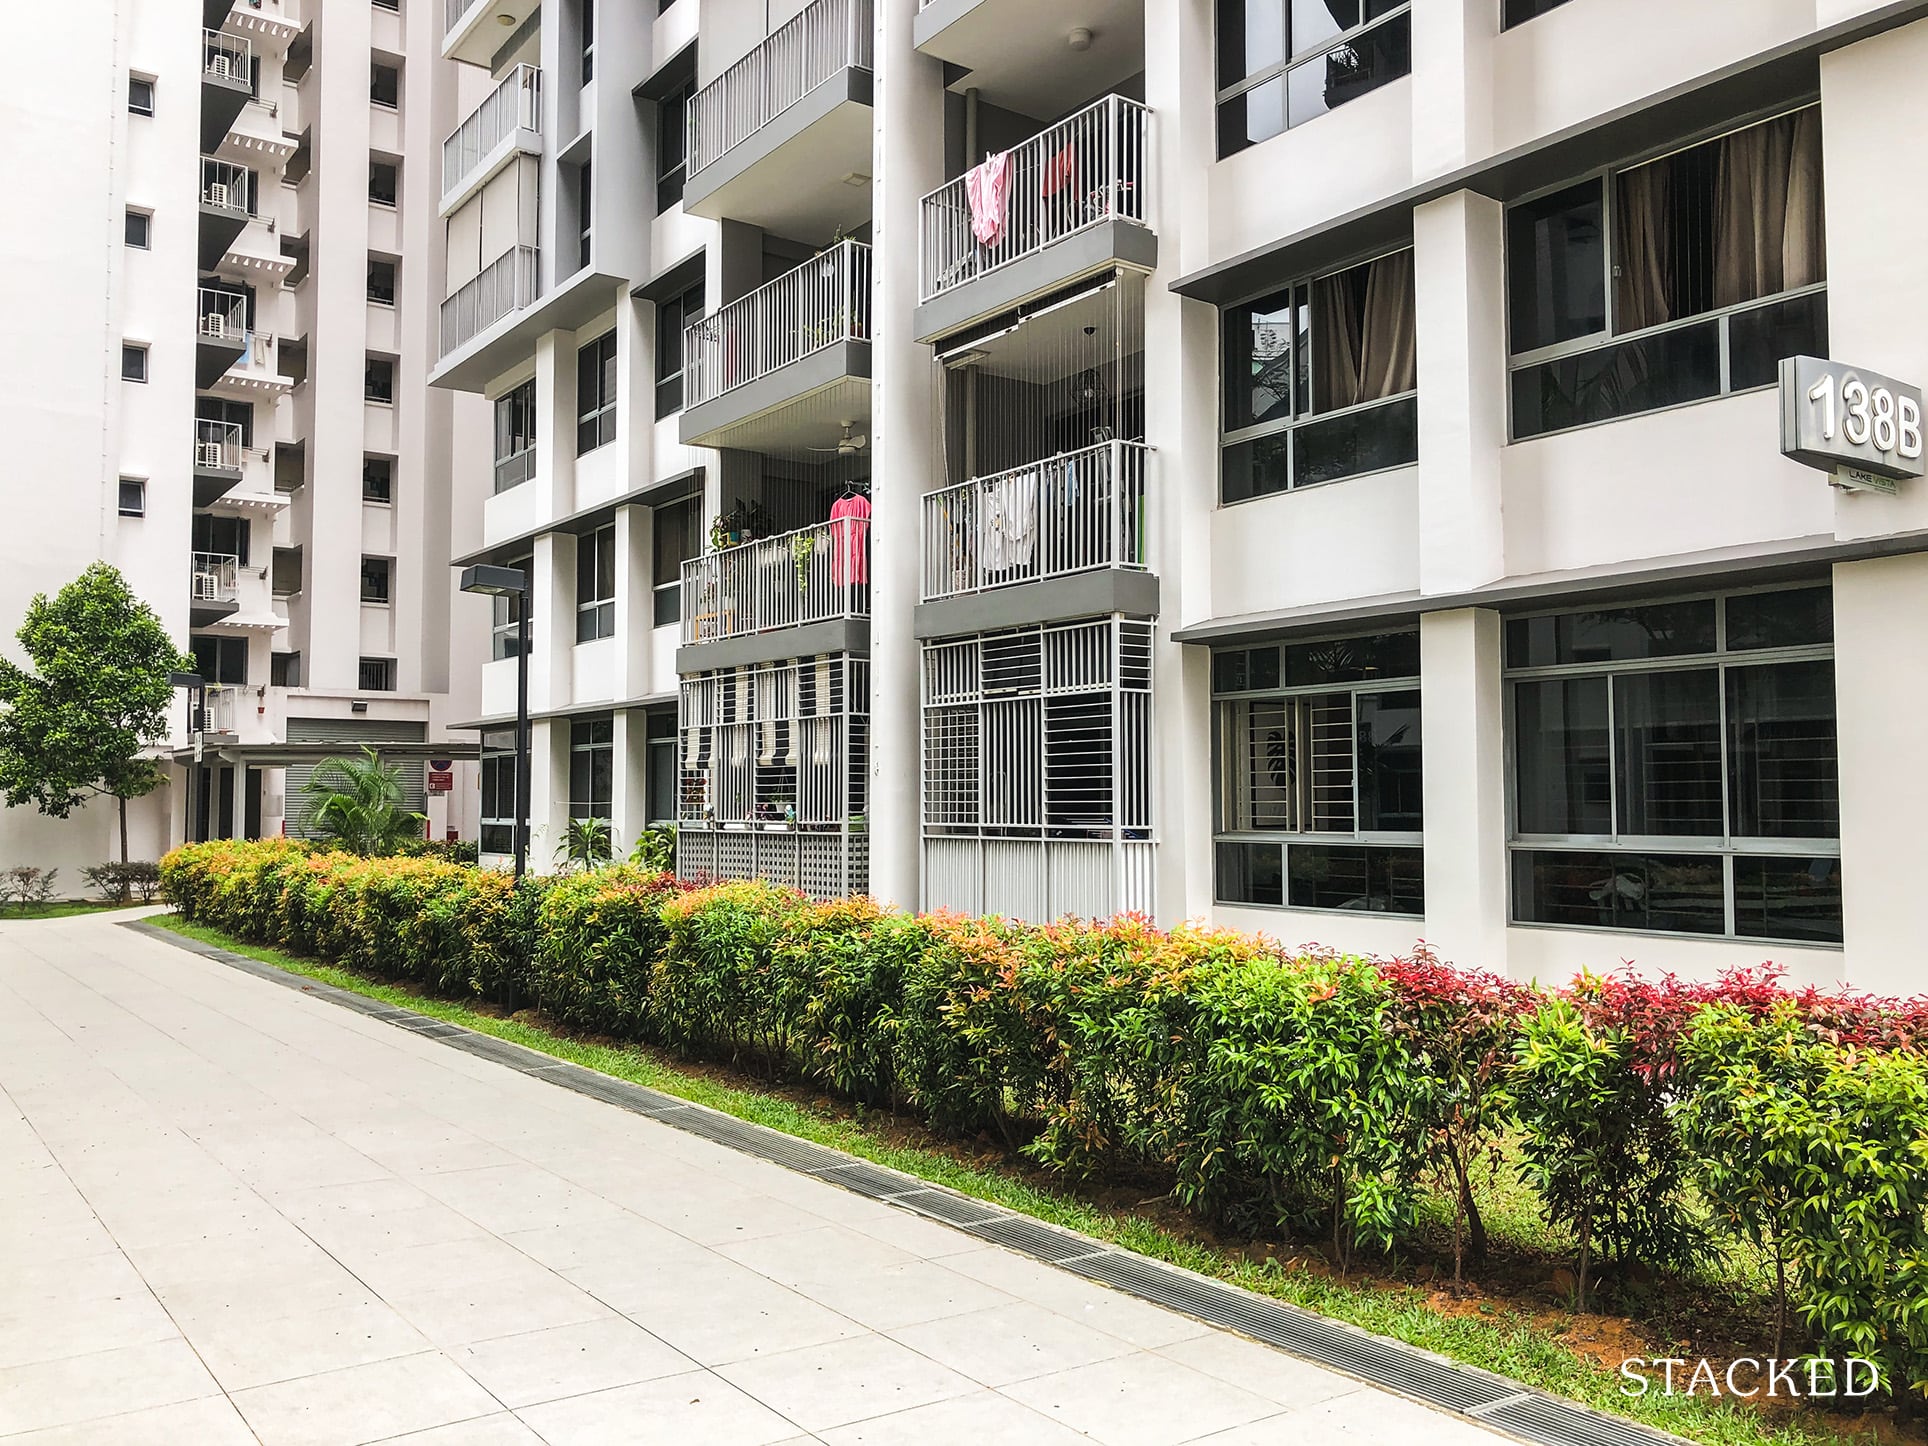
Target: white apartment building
column 1312, row 466
column 217, row 343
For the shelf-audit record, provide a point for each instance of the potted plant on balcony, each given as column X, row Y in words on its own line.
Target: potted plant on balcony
column 801, row 547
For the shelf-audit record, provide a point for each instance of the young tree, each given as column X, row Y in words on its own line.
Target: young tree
column 358, row 804
column 74, row 726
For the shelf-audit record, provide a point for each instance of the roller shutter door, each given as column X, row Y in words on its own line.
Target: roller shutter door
column 351, row 734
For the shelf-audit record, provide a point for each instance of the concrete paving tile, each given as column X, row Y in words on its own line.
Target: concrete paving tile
column 209, row 1421
column 503, row 1429
column 831, row 1385
column 1111, row 1311
column 630, row 1238
column 365, row 1403
column 1289, row 1381
column 1140, row 1400
column 826, row 1252
column 505, row 1198
column 903, row 1295
column 235, row 1303
column 472, row 1259
column 77, row 1278
column 696, row 1407
column 981, row 1419
column 455, row 1315
column 78, row 1325
column 244, row 1349
column 104, row 1383
column 1013, row 1342
column 722, row 1312
column 1376, row 1416
column 720, row 1215
column 571, row 1360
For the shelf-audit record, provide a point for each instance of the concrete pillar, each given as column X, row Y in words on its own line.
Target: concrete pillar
column 548, row 791
column 1452, row 83
column 635, row 600
column 1463, row 737
column 1881, row 691
column 1461, row 327
column 556, row 422
column 1181, row 425
column 628, row 810
column 907, row 162
column 552, row 624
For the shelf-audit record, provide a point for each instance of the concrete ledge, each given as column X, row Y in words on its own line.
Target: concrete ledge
column 1049, row 600
column 487, row 354
column 713, row 192
column 937, row 17
column 709, row 424
column 1084, row 253
column 809, row 640
column 211, row 484
column 218, row 227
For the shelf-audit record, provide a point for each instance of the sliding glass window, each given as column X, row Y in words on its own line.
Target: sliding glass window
column 1674, row 767
column 1317, row 759
column 1682, row 278
column 1320, row 381
column 1283, row 62
column 515, row 436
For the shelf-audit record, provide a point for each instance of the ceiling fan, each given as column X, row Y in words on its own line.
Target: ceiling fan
column 847, row 445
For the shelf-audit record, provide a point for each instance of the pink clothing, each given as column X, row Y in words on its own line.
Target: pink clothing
column 850, row 541
column 987, row 185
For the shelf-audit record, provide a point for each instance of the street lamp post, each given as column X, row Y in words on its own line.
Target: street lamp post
column 488, row 580
column 196, row 724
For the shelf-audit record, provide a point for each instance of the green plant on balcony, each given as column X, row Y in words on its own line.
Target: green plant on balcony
column 801, row 547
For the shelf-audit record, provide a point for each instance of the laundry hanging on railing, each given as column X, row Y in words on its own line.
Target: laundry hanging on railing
column 850, row 540
column 1008, row 521
column 988, row 185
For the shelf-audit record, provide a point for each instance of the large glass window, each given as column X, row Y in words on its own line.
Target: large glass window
column 660, row 765
column 673, row 543
column 505, row 627
column 1317, row 755
column 220, row 659
column 672, row 145
column 1672, row 281
column 596, row 585
column 1518, row 12
column 592, row 766
column 498, row 792
column 1674, row 767
column 515, row 436
column 1320, row 381
column 672, row 315
column 1283, row 62
column 596, row 394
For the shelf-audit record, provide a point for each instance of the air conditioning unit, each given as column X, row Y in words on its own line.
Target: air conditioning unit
column 221, row 64
column 207, row 586
column 215, row 324
column 209, row 454
column 217, row 193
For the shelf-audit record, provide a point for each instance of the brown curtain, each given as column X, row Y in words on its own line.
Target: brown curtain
column 1643, row 249
column 1363, row 334
column 1768, row 216
column 1804, row 245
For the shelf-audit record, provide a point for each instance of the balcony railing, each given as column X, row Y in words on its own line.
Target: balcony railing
column 514, row 105
column 813, row 575
column 227, row 185
column 505, row 285
column 1086, row 169
column 224, row 316
column 793, row 61
column 227, row 57
column 215, row 576
column 217, row 710
column 452, row 13
column 217, row 445
column 824, row 301
column 1073, row 512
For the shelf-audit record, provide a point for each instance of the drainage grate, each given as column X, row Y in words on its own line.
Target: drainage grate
column 1055, row 1246
column 865, row 1179
column 951, row 1209
column 1555, row 1423
column 781, row 1149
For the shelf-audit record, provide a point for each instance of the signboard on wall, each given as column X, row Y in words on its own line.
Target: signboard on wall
column 441, row 775
column 1859, row 426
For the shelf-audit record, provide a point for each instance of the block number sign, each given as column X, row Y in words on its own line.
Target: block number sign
column 1862, row 427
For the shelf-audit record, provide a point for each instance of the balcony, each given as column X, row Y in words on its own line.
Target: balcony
column 507, row 123
column 216, row 589
column 473, row 30
column 218, row 459
column 219, row 707
column 782, row 139
column 227, row 204
column 1072, row 525
column 227, row 83
column 786, row 369
column 1016, row 53
column 815, row 578
column 1076, row 202
column 503, row 287
column 221, row 339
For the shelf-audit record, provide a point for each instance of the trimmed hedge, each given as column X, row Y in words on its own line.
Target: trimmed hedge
column 1657, row 1121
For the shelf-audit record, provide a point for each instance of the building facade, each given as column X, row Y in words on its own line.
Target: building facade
column 219, row 387
column 1313, row 467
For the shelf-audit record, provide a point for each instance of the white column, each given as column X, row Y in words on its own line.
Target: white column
column 907, row 161
column 635, row 600
column 1881, row 693
column 1461, row 330
column 548, row 791
column 1181, row 426
column 552, row 625
column 1452, row 83
column 556, row 422
column 628, row 810
column 1463, row 738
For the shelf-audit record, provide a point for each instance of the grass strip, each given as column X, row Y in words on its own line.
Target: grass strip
column 1508, row 1342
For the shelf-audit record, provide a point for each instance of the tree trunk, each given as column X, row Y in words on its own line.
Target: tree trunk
column 121, row 800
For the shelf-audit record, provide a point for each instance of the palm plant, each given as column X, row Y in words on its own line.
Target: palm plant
column 357, row 802
column 589, row 843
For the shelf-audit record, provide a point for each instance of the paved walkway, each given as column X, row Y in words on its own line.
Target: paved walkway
column 230, row 1213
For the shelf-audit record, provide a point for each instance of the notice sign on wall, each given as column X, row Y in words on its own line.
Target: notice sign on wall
column 441, row 775
column 1859, row 426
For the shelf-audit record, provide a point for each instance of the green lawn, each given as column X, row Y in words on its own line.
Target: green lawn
column 1526, row 1346
column 59, row 909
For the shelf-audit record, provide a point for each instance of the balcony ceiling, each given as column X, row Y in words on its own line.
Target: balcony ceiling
column 805, row 430
column 484, row 27
column 1052, row 347
column 1019, row 54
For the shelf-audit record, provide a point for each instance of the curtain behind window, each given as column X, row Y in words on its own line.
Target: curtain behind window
column 1768, row 217
column 1363, row 332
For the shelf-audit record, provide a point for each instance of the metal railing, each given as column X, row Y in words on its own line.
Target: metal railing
column 1069, row 513
column 227, row 57
column 216, row 576
column 452, row 13
column 812, row 575
column 217, row 445
column 217, row 710
column 791, row 62
column 1088, row 168
column 824, row 301
column 224, row 316
column 225, row 184
column 514, row 105
column 505, row 285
